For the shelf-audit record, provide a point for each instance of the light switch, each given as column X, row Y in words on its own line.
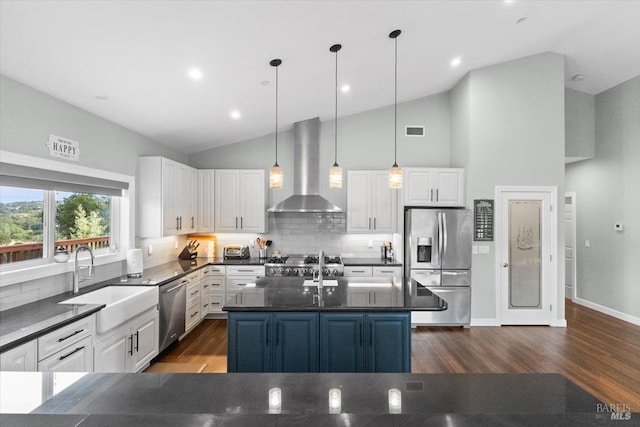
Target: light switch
column 175, row 245
column 474, row 250
column 370, row 243
column 587, row 244
column 483, row 249
column 150, row 249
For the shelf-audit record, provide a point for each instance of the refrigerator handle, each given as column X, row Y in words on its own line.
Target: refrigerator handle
column 446, row 237
column 440, row 237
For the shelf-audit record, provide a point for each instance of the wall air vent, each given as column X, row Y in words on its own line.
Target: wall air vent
column 414, row 131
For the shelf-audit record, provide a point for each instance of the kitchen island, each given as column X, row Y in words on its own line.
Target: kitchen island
column 289, row 324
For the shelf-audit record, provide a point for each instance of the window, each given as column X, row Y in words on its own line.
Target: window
column 46, row 204
column 21, row 224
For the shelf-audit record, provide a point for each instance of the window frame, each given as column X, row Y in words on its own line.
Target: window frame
column 123, row 218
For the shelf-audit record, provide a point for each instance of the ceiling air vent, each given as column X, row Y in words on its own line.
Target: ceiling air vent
column 414, row 131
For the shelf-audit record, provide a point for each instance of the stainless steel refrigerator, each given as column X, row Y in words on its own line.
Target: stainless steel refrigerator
column 437, row 263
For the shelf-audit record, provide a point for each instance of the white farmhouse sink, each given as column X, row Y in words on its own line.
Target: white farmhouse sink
column 324, row 283
column 122, row 303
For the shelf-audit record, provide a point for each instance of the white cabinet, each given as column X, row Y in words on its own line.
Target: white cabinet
column 367, row 296
column 74, row 358
column 212, row 289
column 238, row 277
column 129, row 348
column 433, row 187
column 357, row 271
column 193, row 300
column 371, row 204
column 206, row 201
column 166, row 197
column 21, row 358
column 240, row 201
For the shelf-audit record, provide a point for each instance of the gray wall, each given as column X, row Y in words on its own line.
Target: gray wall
column 607, row 191
column 510, row 120
column 28, row 117
column 580, row 125
column 365, row 141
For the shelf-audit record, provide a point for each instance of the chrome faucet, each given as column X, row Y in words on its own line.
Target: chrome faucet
column 76, row 271
column 320, row 262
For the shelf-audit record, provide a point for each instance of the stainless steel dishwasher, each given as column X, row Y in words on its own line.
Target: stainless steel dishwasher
column 173, row 298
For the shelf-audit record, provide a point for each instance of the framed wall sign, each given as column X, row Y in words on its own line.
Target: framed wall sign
column 483, row 220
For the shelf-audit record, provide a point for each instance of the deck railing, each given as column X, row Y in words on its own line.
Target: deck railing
column 27, row 251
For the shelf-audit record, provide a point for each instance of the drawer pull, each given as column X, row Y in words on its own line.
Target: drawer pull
column 205, row 305
column 69, row 336
column 215, row 303
column 193, row 293
column 194, row 314
column 245, row 270
column 387, row 271
column 74, row 351
column 357, row 271
column 205, row 286
column 137, row 341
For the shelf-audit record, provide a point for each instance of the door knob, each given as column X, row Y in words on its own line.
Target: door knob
column 506, row 264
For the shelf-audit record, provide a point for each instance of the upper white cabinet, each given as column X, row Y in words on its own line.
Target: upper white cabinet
column 206, row 201
column 371, row 204
column 166, row 197
column 433, row 187
column 240, row 200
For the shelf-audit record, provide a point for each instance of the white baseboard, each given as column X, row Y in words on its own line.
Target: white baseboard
column 484, row 322
column 606, row 310
column 559, row 323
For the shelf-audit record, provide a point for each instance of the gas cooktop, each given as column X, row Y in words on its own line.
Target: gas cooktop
column 303, row 265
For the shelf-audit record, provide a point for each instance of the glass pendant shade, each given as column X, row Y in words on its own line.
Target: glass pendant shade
column 275, row 177
column 335, row 176
column 395, row 177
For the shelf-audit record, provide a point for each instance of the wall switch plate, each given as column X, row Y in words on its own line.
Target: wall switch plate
column 587, row 244
column 252, row 243
column 370, row 244
column 175, row 245
column 474, row 250
column 618, row 226
column 483, row 249
column 149, row 249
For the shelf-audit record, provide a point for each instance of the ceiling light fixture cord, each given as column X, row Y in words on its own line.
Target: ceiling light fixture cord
column 276, row 65
column 395, row 105
column 335, row 160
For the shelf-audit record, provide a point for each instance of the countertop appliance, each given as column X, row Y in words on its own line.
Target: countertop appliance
column 236, row 252
column 438, row 264
column 303, row 266
column 173, row 302
column 189, row 252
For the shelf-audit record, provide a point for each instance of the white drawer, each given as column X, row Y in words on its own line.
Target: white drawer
column 65, row 336
column 214, row 270
column 195, row 276
column 215, row 283
column 355, row 271
column 238, row 283
column 193, row 292
column 387, row 271
column 238, row 270
column 75, row 358
column 193, row 315
column 215, row 303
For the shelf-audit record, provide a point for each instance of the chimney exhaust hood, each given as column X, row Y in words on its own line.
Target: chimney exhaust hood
column 306, row 172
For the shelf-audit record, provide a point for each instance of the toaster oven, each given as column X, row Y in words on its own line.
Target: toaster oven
column 236, row 252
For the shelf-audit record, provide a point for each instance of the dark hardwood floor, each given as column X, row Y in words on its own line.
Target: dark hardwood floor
column 598, row 352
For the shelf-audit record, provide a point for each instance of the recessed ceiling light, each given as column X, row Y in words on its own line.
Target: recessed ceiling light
column 264, row 82
column 508, row 1
column 456, row 61
column 577, row 78
column 101, row 97
column 521, row 20
column 195, row 73
column 345, row 88
column 235, row 114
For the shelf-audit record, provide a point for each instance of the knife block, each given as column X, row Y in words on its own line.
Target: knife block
column 186, row 254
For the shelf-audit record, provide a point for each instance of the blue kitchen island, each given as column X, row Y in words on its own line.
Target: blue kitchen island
column 286, row 324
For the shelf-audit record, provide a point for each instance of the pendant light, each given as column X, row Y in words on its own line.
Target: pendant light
column 275, row 174
column 335, row 173
column 395, row 173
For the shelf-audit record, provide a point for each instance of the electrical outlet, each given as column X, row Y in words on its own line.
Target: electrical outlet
column 587, row 244
column 252, row 243
column 370, row 244
column 150, row 249
column 175, row 245
column 474, row 250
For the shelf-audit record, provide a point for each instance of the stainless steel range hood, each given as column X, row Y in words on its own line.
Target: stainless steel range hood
column 306, row 172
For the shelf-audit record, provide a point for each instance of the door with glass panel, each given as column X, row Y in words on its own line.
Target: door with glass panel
column 525, row 257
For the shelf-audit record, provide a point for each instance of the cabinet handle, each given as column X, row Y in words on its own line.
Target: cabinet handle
column 131, row 342
column 357, row 271
column 193, row 222
column 386, row 271
column 371, row 335
column 215, row 303
column 74, row 351
column 369, row 223
column 431, row 195
column 194, row 314
column 236, row 223
column 193, row 293
column 240, row 270
column 137, row 340
column 206, row 305
column 177, row 223
column 361, row 333
column 277, row 333
column 69, row 336
column 241, row 221
column 267, row 336
column 437, row 198
column 374, row 223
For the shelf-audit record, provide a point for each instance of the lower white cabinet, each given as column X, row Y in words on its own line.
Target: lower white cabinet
column 74, row 358
column 129, row 348
column 194, row 300
column 379, row 297
column 213, row 289
column 22, row 358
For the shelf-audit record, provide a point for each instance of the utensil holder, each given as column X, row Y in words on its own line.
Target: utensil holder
column 263, row 253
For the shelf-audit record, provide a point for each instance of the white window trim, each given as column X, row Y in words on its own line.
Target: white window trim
column 12, row 274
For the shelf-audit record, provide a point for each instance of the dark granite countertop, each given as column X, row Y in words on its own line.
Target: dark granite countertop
column 374, row 262
column 350, row 294
column 242, row 399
